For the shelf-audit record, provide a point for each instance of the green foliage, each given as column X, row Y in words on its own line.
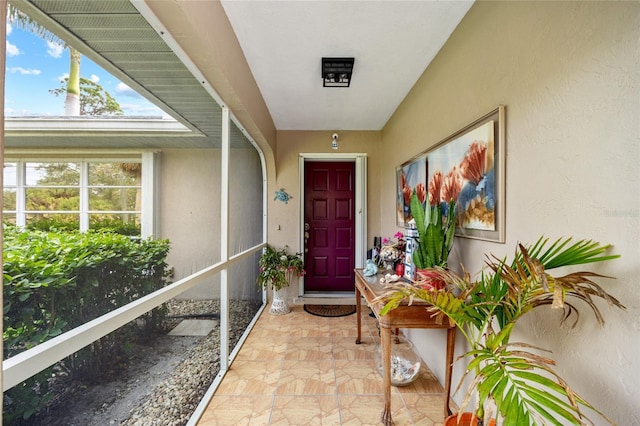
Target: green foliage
column 117, row 226
column 435, row 234
column 70, row 223
column 521, row 383
column 27, row 398
column 59, row 223
column 56, row 281
column 94, row 99
column 115, row 187
column 277, row 267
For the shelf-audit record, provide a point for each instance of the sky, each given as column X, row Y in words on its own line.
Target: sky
column 34, row 66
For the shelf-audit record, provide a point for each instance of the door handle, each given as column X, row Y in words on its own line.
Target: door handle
column 306, row 236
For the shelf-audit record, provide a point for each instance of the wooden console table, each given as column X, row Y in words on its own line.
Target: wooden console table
column 404, row 316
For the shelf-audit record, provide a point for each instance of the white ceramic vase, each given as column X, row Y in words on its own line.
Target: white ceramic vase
column 279, row 304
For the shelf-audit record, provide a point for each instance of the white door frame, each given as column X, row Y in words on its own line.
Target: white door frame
column 360, row 161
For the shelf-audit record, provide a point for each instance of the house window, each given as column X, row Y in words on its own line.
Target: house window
column 74, row 194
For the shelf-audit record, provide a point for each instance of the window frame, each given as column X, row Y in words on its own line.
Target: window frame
column 147, row 186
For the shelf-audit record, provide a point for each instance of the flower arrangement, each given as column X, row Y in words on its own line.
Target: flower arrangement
column 390, row 242
column 392, row 250
column 277, row 268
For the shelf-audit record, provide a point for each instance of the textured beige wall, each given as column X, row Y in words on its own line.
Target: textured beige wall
column 189, row 195
column 190, row 213
column 568, row 73
column 290, row 145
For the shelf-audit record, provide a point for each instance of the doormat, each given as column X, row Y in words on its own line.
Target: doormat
column 330, row 310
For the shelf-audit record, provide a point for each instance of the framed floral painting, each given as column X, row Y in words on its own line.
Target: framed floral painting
column 469, row 167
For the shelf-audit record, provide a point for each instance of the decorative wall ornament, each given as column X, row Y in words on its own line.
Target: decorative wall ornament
column 282, row 196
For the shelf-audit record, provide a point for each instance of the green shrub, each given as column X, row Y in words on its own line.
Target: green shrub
column 115, row 225
column 54, row 224
column 60, row 223
column 56, row 281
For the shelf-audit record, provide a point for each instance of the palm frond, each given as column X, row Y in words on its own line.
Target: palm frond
column 522, row 383
column 524, row 387
column 559, row 255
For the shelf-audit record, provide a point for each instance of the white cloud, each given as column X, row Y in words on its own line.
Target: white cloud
column 54, row 49
column 143, row 110
column 12, row 49
column 9, row 28
column 94, row 78
column 125, row 90
column 23, row 71
column 62, row 77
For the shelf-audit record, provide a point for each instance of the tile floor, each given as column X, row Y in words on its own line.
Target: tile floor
column 301, row 369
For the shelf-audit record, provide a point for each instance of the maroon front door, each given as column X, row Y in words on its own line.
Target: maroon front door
column 329, row 213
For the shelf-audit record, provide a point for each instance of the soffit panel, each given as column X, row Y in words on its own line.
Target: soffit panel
column 115, row 36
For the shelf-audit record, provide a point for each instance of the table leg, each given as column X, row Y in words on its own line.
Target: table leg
column 358, row 317
column 451, row 342
column 385, row 342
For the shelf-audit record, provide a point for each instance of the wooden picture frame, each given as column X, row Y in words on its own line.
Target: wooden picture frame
column 410, row 176
column 473, row 158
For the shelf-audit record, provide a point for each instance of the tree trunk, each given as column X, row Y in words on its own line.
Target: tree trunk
column 72, row 101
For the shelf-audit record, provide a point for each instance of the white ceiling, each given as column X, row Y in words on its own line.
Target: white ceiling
column 392, row 41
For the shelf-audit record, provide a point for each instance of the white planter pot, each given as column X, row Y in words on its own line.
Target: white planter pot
column 279, row 304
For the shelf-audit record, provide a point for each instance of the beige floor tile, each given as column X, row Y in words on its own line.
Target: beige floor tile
column 251, row 378
column 344, row 332
column 309, row 348
column 425, row 409
column 317, row 330
column 347, row 348
column 358, row 377
column 269, row 333
column 425, row 383
column 299, row 369
column 312, row 410
column 357, row 410
column 304, row 377
column 263, row 349
column 228, row 410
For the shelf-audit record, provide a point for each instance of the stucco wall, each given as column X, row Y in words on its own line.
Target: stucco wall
column 290, row 145
column 569, row 74
column 190, row 213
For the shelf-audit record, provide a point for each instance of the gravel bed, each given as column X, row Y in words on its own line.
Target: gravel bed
column 162, row 383
column 174, row 400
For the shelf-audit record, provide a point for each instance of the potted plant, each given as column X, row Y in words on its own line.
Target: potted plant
column 520, row 384
column 435, row 220
column 436, row 225
column 392, row 251
column 276, row 270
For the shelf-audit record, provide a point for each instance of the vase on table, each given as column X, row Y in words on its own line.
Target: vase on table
column 390, row 254
column 405, row 361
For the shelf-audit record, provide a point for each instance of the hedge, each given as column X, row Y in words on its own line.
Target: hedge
column 55, row 281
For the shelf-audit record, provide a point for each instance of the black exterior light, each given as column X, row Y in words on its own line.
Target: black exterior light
column 336, row 72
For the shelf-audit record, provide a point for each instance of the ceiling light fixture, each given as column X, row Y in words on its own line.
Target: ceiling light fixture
column 336, row 72
column 334, row 141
